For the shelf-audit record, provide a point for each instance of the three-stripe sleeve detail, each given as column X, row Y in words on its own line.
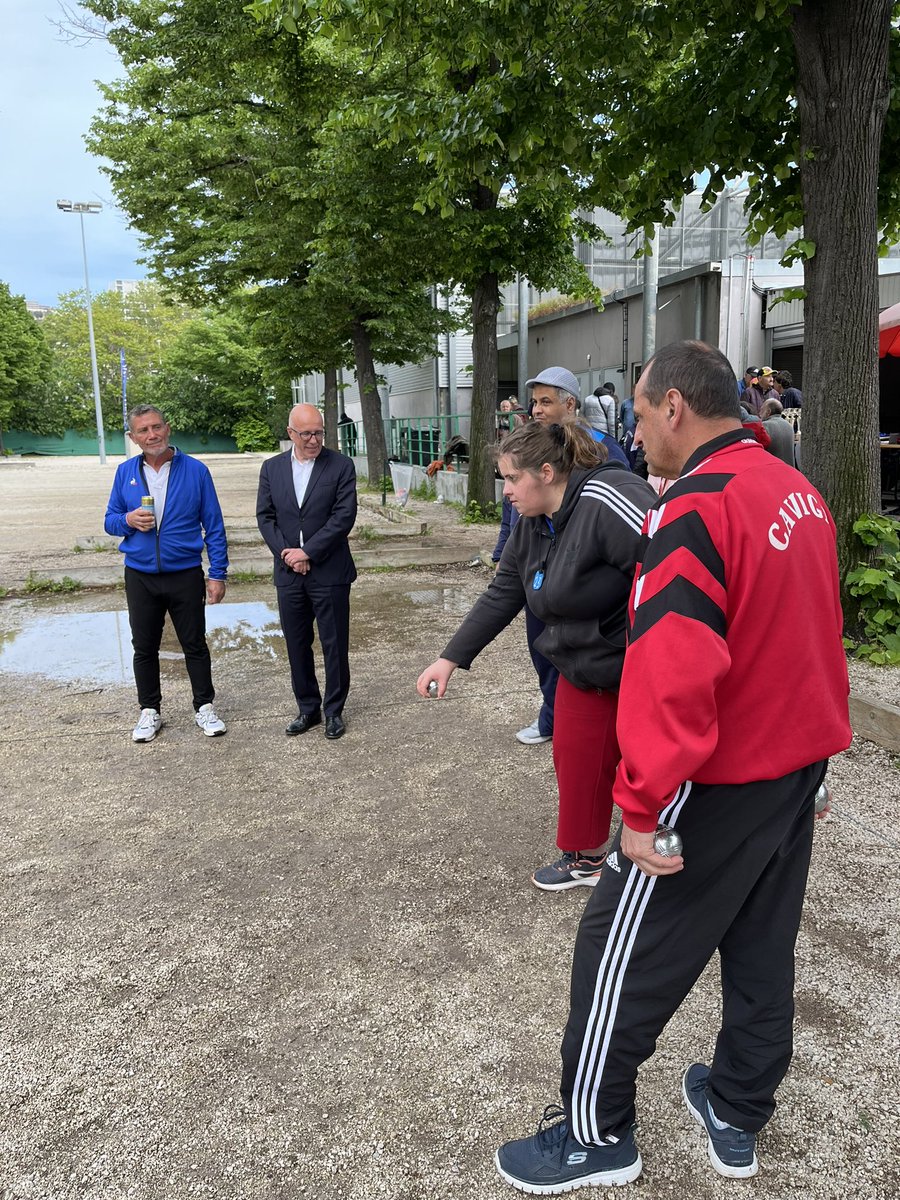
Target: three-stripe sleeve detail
column 633, row 516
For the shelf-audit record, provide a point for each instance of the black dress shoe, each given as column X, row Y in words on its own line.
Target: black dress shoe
column 301, row 723
column 334, row 727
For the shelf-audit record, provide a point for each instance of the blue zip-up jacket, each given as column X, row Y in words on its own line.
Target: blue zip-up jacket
column 191, row 516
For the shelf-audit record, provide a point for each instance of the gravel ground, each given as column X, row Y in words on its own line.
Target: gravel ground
column 879, row 683
column 257, row 967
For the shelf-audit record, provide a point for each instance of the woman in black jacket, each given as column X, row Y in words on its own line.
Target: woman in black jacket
column 572, row 554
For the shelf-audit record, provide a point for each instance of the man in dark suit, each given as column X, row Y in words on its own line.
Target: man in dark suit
column 305, row 510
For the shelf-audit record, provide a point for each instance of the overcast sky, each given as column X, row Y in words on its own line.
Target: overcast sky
column 47, row 99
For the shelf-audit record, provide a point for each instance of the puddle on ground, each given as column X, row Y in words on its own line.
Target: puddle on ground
column 447, row 599
column 95, row 647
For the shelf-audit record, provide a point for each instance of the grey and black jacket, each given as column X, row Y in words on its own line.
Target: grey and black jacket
column 575, row 570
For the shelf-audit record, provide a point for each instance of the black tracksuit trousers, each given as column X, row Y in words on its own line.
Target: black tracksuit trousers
column 181, row 594
column 643, row 942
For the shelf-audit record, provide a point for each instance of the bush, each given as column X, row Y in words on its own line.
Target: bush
column 251, row 434
column 475, row 514
column 877, row 588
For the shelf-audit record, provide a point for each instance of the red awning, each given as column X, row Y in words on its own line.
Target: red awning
column 889, row 331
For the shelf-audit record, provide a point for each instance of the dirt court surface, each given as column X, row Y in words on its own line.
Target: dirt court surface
column 258, row 967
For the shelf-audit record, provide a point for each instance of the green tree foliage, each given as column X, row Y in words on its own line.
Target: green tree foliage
column 344, row 179
column 361, row 295
column 278, row 187
column 143, row 325
column 634, row 101
column 796, row 97
column 475, row 92
column 211, row 376
column 24, row 369
column 202, row 368
column 251, row 433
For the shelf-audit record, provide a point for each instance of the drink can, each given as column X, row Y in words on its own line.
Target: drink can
column 147, row 505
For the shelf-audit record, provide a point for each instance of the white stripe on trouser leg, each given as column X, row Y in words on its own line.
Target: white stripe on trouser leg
column 606, row 996
column 670, row 813
column 607, row 990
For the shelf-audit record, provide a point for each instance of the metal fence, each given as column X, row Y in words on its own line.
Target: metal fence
column 414, row 440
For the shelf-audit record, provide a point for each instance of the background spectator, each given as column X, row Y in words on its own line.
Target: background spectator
column 783, row 383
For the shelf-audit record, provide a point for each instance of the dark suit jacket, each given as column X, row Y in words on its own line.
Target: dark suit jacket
column 325, row 520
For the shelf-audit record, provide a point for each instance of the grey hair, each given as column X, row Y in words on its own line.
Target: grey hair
column 141, row 410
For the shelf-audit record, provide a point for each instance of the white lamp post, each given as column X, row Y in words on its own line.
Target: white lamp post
column 81, row 208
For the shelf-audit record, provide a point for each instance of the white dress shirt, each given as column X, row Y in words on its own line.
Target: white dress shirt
column 301, row 472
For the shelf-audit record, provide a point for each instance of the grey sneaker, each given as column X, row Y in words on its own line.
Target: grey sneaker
column 148, row 726
column 531, row 735
column 574, row 869
column 731, row 1151
column 209, row 722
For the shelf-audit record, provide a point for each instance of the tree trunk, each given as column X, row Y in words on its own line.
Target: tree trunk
column 330, row 415
column 373, row 426
column 482, row 433
column 842, row 96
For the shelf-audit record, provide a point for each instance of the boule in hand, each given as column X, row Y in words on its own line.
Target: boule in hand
column 667, row 842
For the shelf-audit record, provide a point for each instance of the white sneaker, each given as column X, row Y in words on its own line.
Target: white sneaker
column 148, row 726
column 532, row 736
column 209, row 722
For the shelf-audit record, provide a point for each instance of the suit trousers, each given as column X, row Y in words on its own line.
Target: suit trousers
column 644, row 941
column 299, row 605
column 181, row 594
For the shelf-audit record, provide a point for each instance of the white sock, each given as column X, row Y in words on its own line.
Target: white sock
column 715, row 1120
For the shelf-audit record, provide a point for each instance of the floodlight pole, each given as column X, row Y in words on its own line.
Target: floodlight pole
column 81, row 209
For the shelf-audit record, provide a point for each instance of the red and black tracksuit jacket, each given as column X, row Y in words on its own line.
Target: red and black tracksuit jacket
column 735, row 669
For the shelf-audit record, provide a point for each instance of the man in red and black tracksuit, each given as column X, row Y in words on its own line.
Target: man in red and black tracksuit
column 725, row 727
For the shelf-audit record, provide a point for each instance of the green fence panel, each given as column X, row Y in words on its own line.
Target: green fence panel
column 414, row 440
column 72, row 443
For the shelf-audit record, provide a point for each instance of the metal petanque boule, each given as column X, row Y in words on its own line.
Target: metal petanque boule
column 667, row 841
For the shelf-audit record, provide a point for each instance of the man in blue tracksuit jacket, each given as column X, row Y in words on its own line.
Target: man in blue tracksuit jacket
column 163, row 545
